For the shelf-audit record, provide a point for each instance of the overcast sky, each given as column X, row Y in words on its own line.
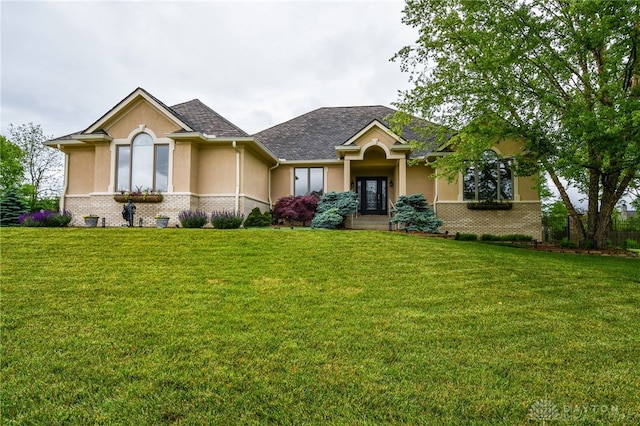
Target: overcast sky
column 64, row 64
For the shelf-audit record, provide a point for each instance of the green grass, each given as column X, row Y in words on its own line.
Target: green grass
column 194, row 326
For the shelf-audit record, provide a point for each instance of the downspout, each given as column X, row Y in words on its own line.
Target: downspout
column 435, row 198
column 65, row 184
column 237, row 192
column 269, row 184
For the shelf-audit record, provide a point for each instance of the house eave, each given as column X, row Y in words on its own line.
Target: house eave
column 308, row 162
column 203, row 139
column 92, row 138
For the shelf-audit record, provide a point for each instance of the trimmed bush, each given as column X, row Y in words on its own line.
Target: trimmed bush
column 330, row 219
column 46, row 218
column 193, row 219
column 631, row 244
column 333, row 205
column 412, row 213
column 301, row 208
column 466, row 237
column 226, row 220
column 508, row 237
column 257, row 219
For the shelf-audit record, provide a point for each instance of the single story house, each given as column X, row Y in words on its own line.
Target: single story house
column 196, row 159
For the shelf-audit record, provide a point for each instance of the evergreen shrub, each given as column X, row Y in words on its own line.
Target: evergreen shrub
column 330, row 219
column 412, row 213
column 257, row 219
column 12, row 205
column 333, row 208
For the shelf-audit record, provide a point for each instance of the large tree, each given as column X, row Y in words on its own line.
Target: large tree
column 561, row 75
column 42, row 165
column 11, row 170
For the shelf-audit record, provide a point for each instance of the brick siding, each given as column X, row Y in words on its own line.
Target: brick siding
column 171, row 205
column 523, row 218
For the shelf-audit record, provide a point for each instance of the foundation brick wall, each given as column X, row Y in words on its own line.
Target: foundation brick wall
column 171, row 205
column 523, row 218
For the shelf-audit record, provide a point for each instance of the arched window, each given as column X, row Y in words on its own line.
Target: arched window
column 142, row 165
column 489, row 179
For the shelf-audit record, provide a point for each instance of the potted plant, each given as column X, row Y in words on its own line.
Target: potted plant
column 162, row 221
column 90, row 220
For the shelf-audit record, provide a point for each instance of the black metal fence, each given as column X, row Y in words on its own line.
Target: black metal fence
column 623, row 233
column 555, row 228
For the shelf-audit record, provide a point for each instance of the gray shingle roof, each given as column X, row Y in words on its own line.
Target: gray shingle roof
column 203, row 119
column 314, row 135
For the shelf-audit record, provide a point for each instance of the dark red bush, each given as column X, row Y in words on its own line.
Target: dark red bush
column 296, row 209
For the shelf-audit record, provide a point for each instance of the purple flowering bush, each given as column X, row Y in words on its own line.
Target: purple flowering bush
column 193, row 219
column 226, row 220
column 46, row 218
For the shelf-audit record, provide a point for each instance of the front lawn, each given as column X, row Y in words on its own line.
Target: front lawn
column 196, row 326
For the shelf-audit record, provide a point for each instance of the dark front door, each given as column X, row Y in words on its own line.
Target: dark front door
column 372, row 193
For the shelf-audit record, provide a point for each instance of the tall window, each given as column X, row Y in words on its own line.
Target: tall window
column 489, row 179
column 142, row 165
column 308, row 180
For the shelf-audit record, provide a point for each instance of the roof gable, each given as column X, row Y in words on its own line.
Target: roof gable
column 133, row 99
column 374, row 126
column 314, row 135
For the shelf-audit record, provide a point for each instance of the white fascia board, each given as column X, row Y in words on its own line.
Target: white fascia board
column 308, row 162
column 212, row 139
column 400, row 148
column 97, row 137
column 63, row 142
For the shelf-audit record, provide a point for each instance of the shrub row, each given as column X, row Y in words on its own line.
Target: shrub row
column 219, row 219
column 46, row 218
column 509, row 237
column 491, row 237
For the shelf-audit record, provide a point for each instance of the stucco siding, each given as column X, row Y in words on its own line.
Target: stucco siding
column 528, row 188
column 418, row 181
column 216, row 170
column 102, row 168
column 80, row 170
column 255, row 176
column 334, row 178
column 141, row 112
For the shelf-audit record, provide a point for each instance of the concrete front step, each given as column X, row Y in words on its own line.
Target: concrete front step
column 374, row 222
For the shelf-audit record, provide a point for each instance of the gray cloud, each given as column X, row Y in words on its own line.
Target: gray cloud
column 64, row 64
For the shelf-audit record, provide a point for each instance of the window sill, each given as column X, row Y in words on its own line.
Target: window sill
column 489, row 205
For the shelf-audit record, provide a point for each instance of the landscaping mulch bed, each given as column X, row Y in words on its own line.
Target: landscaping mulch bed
column 612, row 252
column 549, row 247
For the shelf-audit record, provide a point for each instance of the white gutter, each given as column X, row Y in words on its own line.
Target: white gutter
column 269, row 184
column 237, row 192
